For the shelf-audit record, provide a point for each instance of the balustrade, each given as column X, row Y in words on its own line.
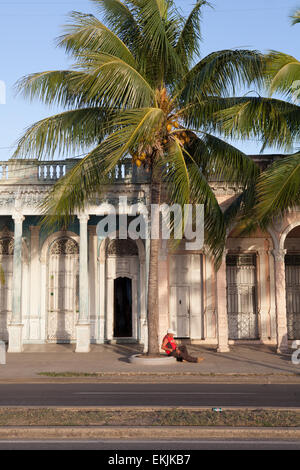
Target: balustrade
column 35, row 172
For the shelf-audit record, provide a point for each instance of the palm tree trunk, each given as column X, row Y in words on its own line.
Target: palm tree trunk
column 152, row 308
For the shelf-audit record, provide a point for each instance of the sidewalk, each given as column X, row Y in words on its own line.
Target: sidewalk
column 256, row 363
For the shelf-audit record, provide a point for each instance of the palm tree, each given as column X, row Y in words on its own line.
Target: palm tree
column 138, row 88
column 276, row 123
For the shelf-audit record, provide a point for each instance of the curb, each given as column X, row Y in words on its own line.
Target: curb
column 148, row 433
column 153, row 361
column 154, row 379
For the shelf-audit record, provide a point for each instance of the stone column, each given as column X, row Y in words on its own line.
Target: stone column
column 83, row 325
column 209, row 304
column 102, row 290
column 265, row 326
column 147, row 265
column 272, row 295
column 35, row 281
column 15, row 329
column 93, row 290
column 222, row 320
column 280, row 296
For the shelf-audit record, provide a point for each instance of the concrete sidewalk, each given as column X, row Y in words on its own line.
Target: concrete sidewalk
column 256, row 363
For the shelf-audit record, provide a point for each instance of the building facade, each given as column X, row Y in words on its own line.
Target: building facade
column 71, row 286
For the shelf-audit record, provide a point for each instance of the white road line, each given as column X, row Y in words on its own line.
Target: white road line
column 163, row 393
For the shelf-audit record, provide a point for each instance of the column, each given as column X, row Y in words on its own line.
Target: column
column 209, row 305
column 147, row 266
column 93, row 291
column 265, row 332
column 222, row 325
column 280, row 296
column 272, row 295
column 102, row 290
column 35, row 279
column 15, row 329
column 83, row 325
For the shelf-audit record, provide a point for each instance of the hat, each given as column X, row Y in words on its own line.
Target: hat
column 171, row 332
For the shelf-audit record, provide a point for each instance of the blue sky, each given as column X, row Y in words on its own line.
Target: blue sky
column 28, row 29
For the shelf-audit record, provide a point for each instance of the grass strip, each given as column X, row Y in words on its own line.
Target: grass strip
column 162, row 374
column 149, row 417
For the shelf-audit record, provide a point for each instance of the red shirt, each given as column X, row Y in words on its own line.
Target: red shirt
column 170, row 344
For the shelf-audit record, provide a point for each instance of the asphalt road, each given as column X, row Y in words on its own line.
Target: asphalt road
column 199, row 395
column 153, row 445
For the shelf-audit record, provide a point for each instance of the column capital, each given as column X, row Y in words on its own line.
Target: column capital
column 83, row 218
column 279, row 255
column 18, row 218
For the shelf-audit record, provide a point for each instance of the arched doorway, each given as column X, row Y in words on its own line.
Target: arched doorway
column 242, row 296
column 122, row 307
column 122, row 291
column 63, row 290
column 292, row 280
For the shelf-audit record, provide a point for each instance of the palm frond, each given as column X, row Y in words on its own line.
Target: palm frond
column 278, row 189
column 87, row 33
column 65, row 134
column 220, row 73
column 188, row 44
column 87, row 178
column 283, row 74
column 187, row 185
column 222, row 161
column 269, row 120
column 158, row 35
column 296, row 17
column 114, row 82
column 240, row 211
column 123, row 21
column 55, row 88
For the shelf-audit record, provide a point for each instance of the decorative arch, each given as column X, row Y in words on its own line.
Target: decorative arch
column 115, row 261
column 119, row 247
column 249, row 244
column 55, row 237
column 114, row 236
column 44, row 256
column 64, row 246
column 62, row 284
column 285, row 233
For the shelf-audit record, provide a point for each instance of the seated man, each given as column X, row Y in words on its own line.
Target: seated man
column 170, row 347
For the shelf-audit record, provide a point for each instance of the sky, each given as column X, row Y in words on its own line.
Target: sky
column 28, row 29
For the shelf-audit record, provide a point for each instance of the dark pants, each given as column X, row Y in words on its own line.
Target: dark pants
column 183, row 355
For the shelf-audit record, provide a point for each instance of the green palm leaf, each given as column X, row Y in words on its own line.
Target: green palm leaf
column 296, row 17
column 220, row 73
column 188, row 44
column 67, row 133
column 269, row 120
column 278, row 189
column 282, row 71
column 88, row 33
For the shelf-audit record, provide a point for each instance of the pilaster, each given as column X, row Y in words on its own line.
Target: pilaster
column 222, row 320
column 280, row 295
column 83, row 324
column 35, row 284
column 15, row 328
